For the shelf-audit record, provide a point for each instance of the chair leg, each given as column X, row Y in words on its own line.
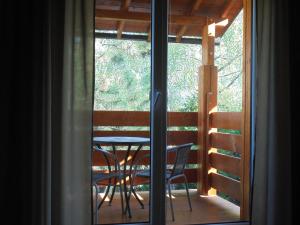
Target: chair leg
column 113, row 192
column 134, row 193
column 137, row 198
column 105, row 195
column 187, row 192
column 121, row 195
column 171, row 204
column 96, row 203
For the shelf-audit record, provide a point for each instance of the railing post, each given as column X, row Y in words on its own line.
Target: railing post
column 207, row 91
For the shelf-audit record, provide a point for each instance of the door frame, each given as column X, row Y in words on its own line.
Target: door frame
column 158, row 128
column 158, row 111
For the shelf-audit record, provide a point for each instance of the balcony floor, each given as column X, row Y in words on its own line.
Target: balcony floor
column 205, row 210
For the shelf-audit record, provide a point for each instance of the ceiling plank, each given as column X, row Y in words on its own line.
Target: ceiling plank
column 227, row 8
column 183, row 28
column 114, row 15
column 121, row 24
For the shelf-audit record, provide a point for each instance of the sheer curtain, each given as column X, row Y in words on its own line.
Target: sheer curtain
column 72, row 107
column 272, row 170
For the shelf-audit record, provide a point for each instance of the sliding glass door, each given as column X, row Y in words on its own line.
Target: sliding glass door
column 171, row 110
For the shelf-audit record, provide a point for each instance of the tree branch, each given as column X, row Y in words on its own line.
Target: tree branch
column 228, row 63
column 231, row 82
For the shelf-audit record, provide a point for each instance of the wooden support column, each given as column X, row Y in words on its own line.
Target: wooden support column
column 208, row 81
column 246, row 112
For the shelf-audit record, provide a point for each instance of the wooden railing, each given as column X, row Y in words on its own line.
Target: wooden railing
column 224, row 162
column 119, row 120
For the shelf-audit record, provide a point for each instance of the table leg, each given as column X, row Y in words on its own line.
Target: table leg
column 125, row 183
column 130, row 178
column 115, row 180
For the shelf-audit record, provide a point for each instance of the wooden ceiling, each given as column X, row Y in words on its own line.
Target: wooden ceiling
column 187, row 17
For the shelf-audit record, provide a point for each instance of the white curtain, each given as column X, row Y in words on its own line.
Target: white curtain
column 74, row 150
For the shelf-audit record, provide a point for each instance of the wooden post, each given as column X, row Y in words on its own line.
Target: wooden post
column 208, row 91
column 246, row 112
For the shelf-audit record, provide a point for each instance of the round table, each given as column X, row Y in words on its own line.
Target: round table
column 127, row 141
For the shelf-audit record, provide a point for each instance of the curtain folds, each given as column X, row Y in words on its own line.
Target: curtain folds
column 47, row 101
column 72, row 115
column 272, row 169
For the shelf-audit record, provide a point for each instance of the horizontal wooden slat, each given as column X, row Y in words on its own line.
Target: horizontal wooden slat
column 98, row 159
column 226, row 120
column 225, row 163
column 191, row 175
column 230, row 142
column 182, row 118
column 173, row 137
column 225, row 185
column 139, row 118
column 121, row 118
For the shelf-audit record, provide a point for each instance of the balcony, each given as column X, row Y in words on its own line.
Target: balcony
column 218, row 165
column 216, row 170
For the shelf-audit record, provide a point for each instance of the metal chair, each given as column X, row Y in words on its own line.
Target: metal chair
column 177, row 171
column 110, row 174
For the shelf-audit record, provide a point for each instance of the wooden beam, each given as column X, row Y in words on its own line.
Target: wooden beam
column 141, row 118
column 208, row 45
column 121, row 24
column 229, row 142
column 180, row 33
column 125, row 5
column 183, row 29
column 227, row 8
column 226, row 120
column 207, row 103
column 115, row 15
column 225, row 185
column 208, row 92
column 246, row 112
column 195, row 6
column 228, row 164
column 149, row 33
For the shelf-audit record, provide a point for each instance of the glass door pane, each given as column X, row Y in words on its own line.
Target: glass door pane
column 205, row 106
column 121, row 157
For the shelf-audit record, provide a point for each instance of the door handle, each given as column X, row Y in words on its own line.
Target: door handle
column 157, row 94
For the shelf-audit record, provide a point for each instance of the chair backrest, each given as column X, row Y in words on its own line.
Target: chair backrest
column 182, row 153
column 110, row 159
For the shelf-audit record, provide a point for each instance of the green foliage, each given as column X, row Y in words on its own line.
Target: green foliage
column 229, row 62
column 122, row 75
column 122, row 70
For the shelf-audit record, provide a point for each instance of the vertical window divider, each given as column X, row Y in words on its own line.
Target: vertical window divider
column 159, row 48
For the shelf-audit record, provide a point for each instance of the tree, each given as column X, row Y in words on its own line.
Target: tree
column 122, row 70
